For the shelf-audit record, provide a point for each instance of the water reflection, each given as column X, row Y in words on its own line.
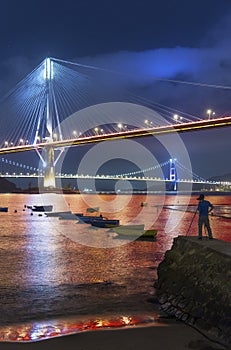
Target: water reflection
column 45, row 273
column 45, row 330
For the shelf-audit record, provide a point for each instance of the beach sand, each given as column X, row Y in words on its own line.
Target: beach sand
column 175, row 336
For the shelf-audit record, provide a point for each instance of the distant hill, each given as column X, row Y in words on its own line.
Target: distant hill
column 225, row 177
column 6, row 186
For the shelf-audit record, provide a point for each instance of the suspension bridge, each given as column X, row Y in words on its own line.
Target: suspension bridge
column 11, row 169
column 39, row 107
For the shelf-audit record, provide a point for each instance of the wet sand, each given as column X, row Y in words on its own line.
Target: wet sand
column 176, row 336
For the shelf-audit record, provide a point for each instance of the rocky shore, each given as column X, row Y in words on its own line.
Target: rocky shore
column 194, row 285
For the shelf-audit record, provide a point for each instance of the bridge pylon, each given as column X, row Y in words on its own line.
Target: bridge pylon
column 172, row 173
column 49, row 168
column 50, row 115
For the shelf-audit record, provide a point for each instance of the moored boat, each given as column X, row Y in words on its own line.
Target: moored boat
column 42, row 208
column 4, row 209
column 69, row 216
column 105, row 223
column 135, row 231
column 57, row 213
column 92, row 210
column 87, row 219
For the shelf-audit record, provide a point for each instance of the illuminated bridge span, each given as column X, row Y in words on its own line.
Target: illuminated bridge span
column 172, row 164
column 82, row 140
column 39, row 106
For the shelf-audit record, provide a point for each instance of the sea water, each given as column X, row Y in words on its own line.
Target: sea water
column 65, row 272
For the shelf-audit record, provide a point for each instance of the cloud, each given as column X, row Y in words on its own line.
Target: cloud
column 210, row 63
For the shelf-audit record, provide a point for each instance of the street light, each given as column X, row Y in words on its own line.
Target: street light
column 177, row 118
column 210, row 112
column 148, row 123
column 120, row 126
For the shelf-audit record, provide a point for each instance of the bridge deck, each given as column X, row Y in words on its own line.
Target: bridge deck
column 166, row 129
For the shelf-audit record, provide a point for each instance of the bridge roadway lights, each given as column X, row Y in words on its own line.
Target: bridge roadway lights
column 189, row 126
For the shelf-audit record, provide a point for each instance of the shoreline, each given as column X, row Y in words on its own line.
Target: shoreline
column 162, row 333
column 174, row 335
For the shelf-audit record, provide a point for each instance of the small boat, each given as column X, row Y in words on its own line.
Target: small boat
column 135, row 231
column 57, row 213
column 92, row 210
column 69, row 216
column 42, row 208
column 105, row 223
column 4, row 209
column 87, row 219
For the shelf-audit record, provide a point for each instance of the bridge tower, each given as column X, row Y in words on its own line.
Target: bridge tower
column 51, row 113
column 172, row 174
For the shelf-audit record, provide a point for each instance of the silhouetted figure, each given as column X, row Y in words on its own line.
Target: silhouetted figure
column 204, row 208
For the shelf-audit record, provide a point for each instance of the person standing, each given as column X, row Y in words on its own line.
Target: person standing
column 204, row 208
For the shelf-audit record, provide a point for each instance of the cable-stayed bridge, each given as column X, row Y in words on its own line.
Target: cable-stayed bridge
column 36, row 116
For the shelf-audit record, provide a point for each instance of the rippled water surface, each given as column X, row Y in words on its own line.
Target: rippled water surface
column 53, row 268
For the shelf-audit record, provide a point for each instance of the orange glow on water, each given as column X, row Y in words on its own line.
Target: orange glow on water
column 38, row 331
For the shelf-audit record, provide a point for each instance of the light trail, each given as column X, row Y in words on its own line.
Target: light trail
column 167, row 129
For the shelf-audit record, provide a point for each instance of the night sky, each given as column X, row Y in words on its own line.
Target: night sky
column 171, row 39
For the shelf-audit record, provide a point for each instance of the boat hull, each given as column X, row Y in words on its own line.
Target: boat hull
column 88, row 219
column 135, row 231
column 4, row 209
column 105, row 223
column 57, row 213
column 92, row 210
column 68, row 216
column 42, row 208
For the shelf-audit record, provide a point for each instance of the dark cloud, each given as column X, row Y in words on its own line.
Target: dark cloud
column 145, row 41
column 207, row 62
column 206, row 65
